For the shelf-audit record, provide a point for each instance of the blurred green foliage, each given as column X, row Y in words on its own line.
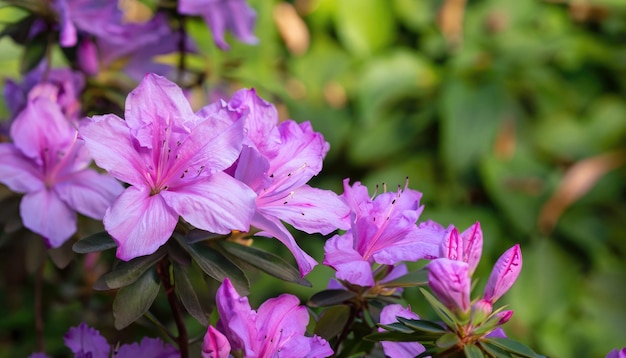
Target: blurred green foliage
column 511, row 113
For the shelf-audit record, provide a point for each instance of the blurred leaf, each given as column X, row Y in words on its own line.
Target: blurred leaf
column 63, row 255
column 330, row 298
column 132, row 301
column 216, row 265
column 93, row 243
column 512, row 346
column 265, row 261
column 494, row 351
column 332, row 321
column 188, row 297
column 19, row 31
column 34, row 51
column 127, row 272
column 354, row 20
column 197, row 235
column 471, row 115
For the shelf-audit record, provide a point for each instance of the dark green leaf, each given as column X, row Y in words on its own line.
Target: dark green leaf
column 63, row 255
column 93, row 243
column 330, row 298
column 411, row 279
column 19, row 31
column 422, row 325
column 216, row 265
column 393, row 337
column 197, row 235
column 472, row 351
column 396, row 327
column 448, row 340
column 494, row 351
column 332, row 321
column 34, row 52
column 265, row 261
column 132, row 301
column 442, row 311
column 188, row 296
column 127, row 272
column 512, row 346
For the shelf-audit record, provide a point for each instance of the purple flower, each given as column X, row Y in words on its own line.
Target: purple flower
column 85, row 341
column 221, row 15
column 276, row 162
column 617, row 353
column 48, row 163
column 451, row 283
column 389, row 315
column 173, row 159
column 95, row 17
column 504, row 274
column 277, row 327
column 383, row 230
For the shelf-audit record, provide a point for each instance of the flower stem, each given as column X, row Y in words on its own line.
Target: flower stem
column 168, row 285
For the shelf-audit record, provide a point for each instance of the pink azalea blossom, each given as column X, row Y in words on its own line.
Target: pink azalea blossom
column 389, row 315
column 277, row 161
column 235, row 16
column 383, row 230
column 277, row 327
column 466, row 247
column 174, row 161
column 48, row 163
column 451, row 283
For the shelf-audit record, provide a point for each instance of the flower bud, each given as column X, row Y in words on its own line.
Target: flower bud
column 504, row 274
column 215, row 344
column 450, row 282
column 88, row 57
column 472, row 246
column 480, row 311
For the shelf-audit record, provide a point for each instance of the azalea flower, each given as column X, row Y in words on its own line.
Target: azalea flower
column 48, row 163
column 277, row 160
column 85, row 341
column 389, row 315
column 383, row 230
column 451, row 283
column 466, row 247
column 173, row 160
column 235, row 16
column 277, row 327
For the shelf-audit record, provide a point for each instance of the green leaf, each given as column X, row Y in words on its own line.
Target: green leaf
column 188, row 296
column 132, row 301
column 34, row 52
column 393, row 337
column 396, row 327
column 265, row 261
column 197, row 235
column 216, row 265
column 472, row 351
column 354, row 22
column 93, row 243
column 411, row 279
column 63, row 255
column 512, row 346
column 19, row 31
column 442, row 311
column 494, row 351
column 127, row 272
column 330, row 298
column 447, row 340
column 422, row 325
column 332, row 321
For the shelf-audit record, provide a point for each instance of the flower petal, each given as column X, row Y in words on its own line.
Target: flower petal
column 308, row 209
column 89, row 192
column 237, row 319
column 46, row 214
column 272, row 227
column 281, row 321
column 389, row 315
column 139, row 223
column 20, row 173
column 473, row 246
column 349, row 264
column 504, row 274
column 218, row 203
column 111, row 146
column 261, row 127
column 85, row 341
column 319, row 348
column 215, row 344
column 148, row 347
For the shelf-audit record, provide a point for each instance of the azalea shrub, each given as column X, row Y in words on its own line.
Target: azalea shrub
column 170, row 194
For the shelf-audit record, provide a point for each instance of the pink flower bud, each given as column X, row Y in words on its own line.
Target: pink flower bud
column 452, row 246
column 450, row 282
column 504, row 316
column 504, row 274
column 480, row 311
column 215, row 344
column 88, row 57
column 472, row 246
